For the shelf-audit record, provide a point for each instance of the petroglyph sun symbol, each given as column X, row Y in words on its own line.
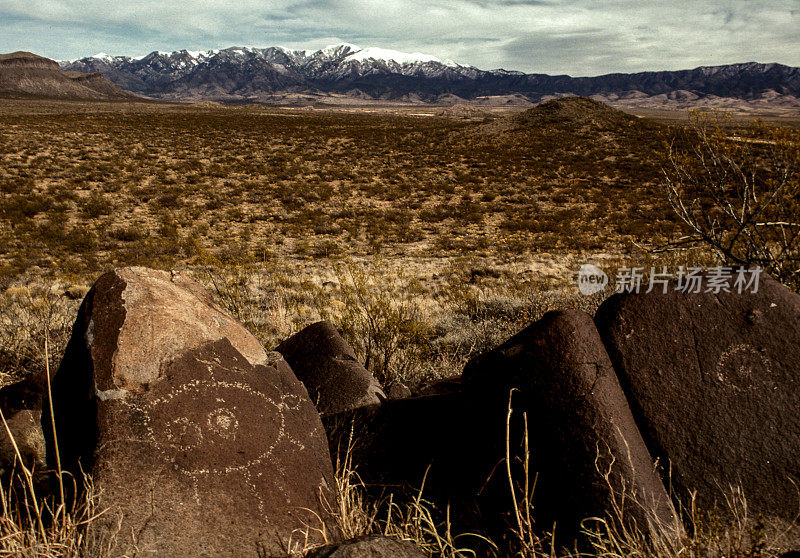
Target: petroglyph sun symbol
column 223, row 422
column 741, row 364
column 218, row 428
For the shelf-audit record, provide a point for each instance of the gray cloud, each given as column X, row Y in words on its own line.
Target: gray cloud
column 577, row 37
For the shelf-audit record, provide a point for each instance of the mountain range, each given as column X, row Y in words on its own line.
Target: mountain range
column 263, row 74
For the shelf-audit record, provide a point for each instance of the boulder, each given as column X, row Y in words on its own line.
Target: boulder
column 399, row 391
column 328, row 367
column 372, row 546
column 714, row 383
column 444, row 444
column 585, row 449
column 21, row 406
column 453, row 441
column 198, row 441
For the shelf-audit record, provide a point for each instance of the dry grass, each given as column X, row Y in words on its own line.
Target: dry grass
column 415, row 521
column 426, row 242
column 43, row 523
column 157, row 186
column 460, row 320
column 729, row 532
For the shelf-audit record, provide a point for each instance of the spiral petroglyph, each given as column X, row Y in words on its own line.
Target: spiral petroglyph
column 739, row 363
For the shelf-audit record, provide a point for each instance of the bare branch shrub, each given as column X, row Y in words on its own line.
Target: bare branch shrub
column 737, row 190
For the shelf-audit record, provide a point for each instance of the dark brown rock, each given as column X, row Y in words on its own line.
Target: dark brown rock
column 399, row 391
column 373, row 546
column 714, row 383
column 579, row 425
column 21, row 406
column 199, row 442
column 131, row 324
column 445, row 442
column 454, row 440
column 328, row 367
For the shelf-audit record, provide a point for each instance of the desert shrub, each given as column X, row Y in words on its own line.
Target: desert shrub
column 129, row 233
column 259, row 293
column 326, row 248
column 81, row 240
column 737, row 191
column 385, row 328
column 29, row 313
column 18, row 206
column 96, row 205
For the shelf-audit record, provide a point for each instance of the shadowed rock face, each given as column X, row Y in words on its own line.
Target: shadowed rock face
column 328, row 367
column 579, row 424
column 455, row 439
column 713, row 382
column 199, row 442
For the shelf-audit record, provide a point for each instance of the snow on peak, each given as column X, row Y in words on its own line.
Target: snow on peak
column 375, row 53
column 294, row 53
column 345, row 52
column 331, row 50
column 201, row 53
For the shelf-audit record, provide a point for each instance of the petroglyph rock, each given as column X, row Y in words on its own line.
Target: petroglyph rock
column 579, row 422
column 200, row 444
column 713, row 380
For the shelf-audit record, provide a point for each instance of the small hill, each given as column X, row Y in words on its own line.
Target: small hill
column 576, row 115
column 576, row 112
column 579, row 137
column 27, row 75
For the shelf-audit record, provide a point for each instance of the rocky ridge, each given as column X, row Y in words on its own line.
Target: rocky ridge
column 246, row 73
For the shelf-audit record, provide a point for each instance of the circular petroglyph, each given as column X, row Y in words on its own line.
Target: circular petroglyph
column 223, row 422
column 221, row 426
column 741, row 364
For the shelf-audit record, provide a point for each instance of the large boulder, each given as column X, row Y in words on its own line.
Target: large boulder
column 328, row 367
column 452, row 443
column 585, row 449
column 714, row 384
column 372, row 546
column 198, row 441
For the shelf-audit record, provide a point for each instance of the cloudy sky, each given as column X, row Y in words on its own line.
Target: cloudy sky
column 576, row 37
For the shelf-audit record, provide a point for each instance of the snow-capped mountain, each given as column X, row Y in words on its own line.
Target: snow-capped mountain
column 247, row 71
column 257, row 73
